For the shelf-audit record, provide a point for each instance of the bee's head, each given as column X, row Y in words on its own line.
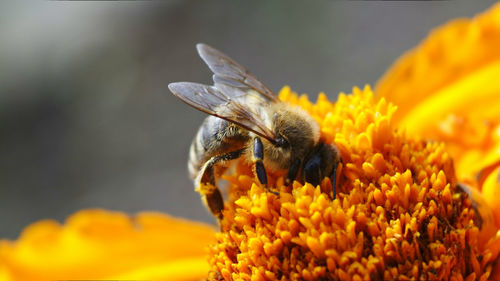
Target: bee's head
column 296, row 134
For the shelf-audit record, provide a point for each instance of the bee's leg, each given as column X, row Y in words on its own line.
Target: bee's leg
column 258, row 157
column 215, row 202
column 312, row 170
column 333, row 177
column 213, row 196
column 258, row 167
column 323, row 162
column 292, row 172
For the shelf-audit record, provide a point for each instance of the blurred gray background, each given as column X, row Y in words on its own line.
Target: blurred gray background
column 86, row 119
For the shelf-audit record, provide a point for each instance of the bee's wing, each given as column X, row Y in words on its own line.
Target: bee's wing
column 229, row 103
column 227, row 71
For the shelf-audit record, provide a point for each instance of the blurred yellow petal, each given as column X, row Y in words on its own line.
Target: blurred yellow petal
column 452, row 53
column 179, row 269
column 98, row 244
column 490, row 192
column 473, row 95
column 448, row 89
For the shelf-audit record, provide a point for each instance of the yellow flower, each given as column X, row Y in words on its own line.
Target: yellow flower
column 401, row 210
column 398, row 214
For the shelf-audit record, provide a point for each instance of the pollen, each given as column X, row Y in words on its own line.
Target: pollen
column 398, row 211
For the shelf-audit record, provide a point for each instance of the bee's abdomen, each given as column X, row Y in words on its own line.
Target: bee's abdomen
column 215, row 137
column 195, row 160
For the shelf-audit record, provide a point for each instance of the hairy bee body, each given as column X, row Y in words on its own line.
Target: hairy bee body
column 248, row 121
column 215, row 136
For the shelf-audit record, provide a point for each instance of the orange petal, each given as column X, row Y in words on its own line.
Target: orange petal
column 490, row 189
column 449, row 56
column 476, row 94
column 98, row 244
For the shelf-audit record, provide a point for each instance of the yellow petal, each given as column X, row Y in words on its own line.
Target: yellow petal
column 477, row 94
column 450, row 54
column 98, row 244
column 490, row 189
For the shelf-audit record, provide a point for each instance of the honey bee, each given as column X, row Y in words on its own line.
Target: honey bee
column 248, row 121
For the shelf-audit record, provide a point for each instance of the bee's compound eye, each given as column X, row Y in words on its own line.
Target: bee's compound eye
column 281, row 142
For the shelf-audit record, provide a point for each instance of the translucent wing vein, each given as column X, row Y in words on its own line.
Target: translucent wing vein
column 227, row 103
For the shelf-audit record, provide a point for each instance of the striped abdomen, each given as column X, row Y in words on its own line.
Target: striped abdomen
column 215, row 137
